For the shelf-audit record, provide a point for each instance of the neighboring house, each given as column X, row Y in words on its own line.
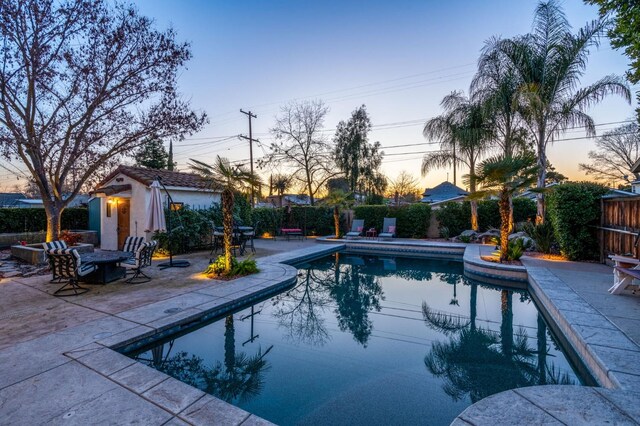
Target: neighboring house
column 635, row 185
column 289, row 200
column 533, row 195
column 9, row 199
column 80, row 200
column 617, row 193
column 123, row 198
column 443, row 193
column 28, row 203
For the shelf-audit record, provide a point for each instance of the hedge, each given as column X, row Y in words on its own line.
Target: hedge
column 35, row 219
column 412, row 221
column 315, row 220
column 457, row 216
column 574, row 210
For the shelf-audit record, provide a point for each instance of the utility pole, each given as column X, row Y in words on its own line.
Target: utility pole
column 250, row 139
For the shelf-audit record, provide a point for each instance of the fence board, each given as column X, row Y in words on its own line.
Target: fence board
column 620, row 227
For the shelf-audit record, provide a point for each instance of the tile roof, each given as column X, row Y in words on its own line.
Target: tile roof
column 442, row 192
column 169, row 178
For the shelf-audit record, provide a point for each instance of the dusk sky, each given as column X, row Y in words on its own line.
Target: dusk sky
column 398, row 58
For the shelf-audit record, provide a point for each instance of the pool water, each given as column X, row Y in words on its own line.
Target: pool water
column 369, row 340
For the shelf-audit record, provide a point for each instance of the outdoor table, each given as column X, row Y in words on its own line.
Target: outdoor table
column 239, row 240
column 371, row 234
column 107, row 263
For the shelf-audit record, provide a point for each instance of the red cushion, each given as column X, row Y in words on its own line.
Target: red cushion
column 392, row 229
column 360, row 228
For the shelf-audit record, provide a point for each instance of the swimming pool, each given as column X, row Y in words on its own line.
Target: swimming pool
column 369, row 340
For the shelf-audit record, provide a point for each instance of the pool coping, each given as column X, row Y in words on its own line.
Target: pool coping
column 184, row 403
column 551, row 294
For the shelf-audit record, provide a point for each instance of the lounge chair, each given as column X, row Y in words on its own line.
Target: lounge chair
column 388, row 228
column 357, row 228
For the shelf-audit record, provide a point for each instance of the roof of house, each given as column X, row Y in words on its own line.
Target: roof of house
column 168, row 178
column 614, row 193
column 636, row 166
column 29, row 201
column 442, row 192
column 10, row 198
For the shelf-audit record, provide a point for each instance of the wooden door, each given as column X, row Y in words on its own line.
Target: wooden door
column 123, row 221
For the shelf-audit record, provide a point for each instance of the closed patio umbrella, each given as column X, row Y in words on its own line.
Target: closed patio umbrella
column 155, row 212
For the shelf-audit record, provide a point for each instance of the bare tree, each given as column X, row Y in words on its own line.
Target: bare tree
column 406, row 185
column 616, row 152
column 300, row 145
column 83, row 82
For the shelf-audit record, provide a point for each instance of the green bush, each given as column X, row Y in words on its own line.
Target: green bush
column 238, row 268
column 515, row 249
column 573, row 209
column 456, row 217
column 524, row 210
column 314, row 220
column 35, row 219
column 412, row 221
column 541, row 234
column 268, row 220
column 373, row 216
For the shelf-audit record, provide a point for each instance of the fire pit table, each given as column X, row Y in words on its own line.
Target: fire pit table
column 107, row 263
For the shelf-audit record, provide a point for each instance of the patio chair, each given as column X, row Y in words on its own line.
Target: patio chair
column 357, row 228
column 153, row 246
column 66, row 263
column 51, row 245
column 248, row 236
column 131, row 244
column 217, row 238
column 388, row 228
column 141, row 259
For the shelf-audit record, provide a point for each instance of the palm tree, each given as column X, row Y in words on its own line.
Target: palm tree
column 337, row 198
column 549, row 63
column 464, row 134
column 228, row 178
column 504, row 177
column 497, row 87
column 281, row 183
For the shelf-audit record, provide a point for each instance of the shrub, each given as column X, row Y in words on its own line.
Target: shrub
column 541, row 234
column 412, row 221
column 71, row 238
column 314, row 220
column 515, row 249
column 457, row 216
column 573, row 209
column 373, row 216
column 269, row 219
column 35, row 219
column 238, row 269
column 524, row 210
column 444, row 232
column 464, row 238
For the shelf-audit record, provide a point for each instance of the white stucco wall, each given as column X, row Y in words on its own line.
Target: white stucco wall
column 139, row 201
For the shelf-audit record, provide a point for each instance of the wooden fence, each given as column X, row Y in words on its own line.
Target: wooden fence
column 620, row 227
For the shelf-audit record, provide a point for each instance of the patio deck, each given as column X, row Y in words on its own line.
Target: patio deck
column 55, row 365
